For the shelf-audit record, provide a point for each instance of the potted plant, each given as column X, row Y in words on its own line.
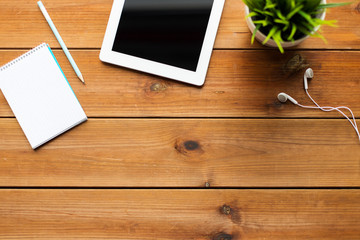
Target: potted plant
column 286, row 23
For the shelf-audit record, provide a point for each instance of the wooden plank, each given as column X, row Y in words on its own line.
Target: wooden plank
column 180, row 214
column 185, row 153
column 239, row 84
column 82, row 24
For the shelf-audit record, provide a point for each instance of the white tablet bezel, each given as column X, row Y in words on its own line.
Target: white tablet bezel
column 164, row 70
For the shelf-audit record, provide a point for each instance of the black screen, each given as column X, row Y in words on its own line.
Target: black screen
column 165, row 31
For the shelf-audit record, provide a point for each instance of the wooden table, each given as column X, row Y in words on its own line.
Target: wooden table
column 159, row 159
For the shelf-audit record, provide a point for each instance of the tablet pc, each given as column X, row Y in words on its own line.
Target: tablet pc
column 169, row 38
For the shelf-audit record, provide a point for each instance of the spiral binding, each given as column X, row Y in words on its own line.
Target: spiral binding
column 9, row 64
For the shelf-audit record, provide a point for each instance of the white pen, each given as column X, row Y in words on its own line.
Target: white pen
column 58, row 37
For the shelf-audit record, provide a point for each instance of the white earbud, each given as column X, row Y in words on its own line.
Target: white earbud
column 283, row 97
column 309, row 73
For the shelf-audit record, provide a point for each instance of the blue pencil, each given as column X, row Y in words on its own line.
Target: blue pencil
column 58, row 37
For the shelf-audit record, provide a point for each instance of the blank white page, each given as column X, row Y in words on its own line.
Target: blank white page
column 40, row 96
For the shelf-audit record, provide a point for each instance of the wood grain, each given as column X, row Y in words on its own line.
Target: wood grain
column 82, row 24
column 225, row 147
column 185, row 153
column 239, row 84
column 180, row 214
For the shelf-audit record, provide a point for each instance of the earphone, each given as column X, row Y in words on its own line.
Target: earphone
column 283, row 97
column 309, row 73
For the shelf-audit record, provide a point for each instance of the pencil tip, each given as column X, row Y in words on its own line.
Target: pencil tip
column 82, row 79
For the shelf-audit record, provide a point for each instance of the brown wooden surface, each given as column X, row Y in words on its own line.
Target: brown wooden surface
column 185, row 153
column 240, row 83
column 82, row 24
column 149, row 132
column 180, row 214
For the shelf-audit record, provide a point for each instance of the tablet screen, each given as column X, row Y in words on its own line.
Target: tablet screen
column 166, row 31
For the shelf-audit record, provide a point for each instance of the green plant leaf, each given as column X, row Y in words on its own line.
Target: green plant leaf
column 288, row 19
column 303, row 29
column 331, row 23
column 293, row 4
column 252, row 14
column 271, row 33
column 331, row 5
column 280, row 15
column 311, row 5
column 266, row 13
column 318, row 35
column 293, row 31
column 254, row 33
column 264, row 23
column 269, row 4
column 308, row 26
column 293, row 12
column 252, row 4
column 307, row 17
column 277, row 39
column 285, row 22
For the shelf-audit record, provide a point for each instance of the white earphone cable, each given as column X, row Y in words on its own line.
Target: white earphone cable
column 328, row 109
column 283, row 97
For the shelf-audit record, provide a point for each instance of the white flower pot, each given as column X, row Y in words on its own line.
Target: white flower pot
column 259, row 36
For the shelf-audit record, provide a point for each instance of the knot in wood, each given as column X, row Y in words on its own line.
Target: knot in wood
column 222, row 236
column 157, row 87
column 357, row 8
column 295, row 64
column 189, row 148
column 226, row 210
column 191, row 145
column 232, row 213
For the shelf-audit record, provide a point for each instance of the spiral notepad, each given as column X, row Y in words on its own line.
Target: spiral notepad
column 40, row 96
